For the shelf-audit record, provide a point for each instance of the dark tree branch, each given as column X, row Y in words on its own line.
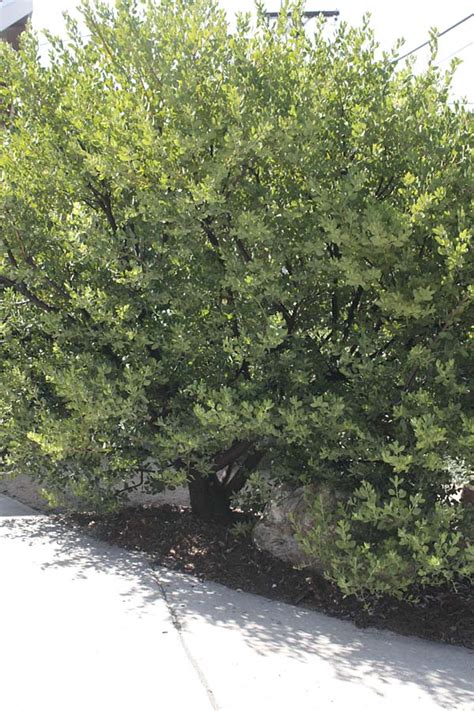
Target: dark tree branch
column 11, row 258
column 383, row 348
column 21, row 288
column 31, row 263
column 243, row 250
column 239, row 477
column 383, row 190
column 229, row 456
column 103, row 200
column 107, row 203
column 334, row 308
column 286, row 315
column 289, row 316
column 210, row 234
column 243, row 370
column 132, row 487
column 352, row 311
column 334, row 251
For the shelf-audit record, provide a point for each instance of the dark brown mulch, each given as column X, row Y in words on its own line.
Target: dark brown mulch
column 212, row 551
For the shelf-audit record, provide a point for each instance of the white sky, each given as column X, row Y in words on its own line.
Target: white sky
column 410, row 19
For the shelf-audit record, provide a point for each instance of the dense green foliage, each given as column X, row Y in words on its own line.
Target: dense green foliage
column 223, row 250
column 373, row 545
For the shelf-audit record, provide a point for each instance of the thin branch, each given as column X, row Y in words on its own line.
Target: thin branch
column 383, row 348
column 21, row 288
column 383, row 189
column 132, row 487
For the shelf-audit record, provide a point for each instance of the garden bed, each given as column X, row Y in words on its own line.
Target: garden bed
column 212, row 551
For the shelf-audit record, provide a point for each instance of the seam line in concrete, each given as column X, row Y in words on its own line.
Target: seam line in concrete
column 176, row 622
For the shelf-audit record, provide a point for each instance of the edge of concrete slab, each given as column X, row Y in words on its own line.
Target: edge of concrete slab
column 12, row 508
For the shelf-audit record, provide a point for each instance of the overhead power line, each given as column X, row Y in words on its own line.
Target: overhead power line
column 308, row 15
column 440, row 34
column 458, row 51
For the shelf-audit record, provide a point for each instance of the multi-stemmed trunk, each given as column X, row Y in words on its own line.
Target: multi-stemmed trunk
column 210, row 494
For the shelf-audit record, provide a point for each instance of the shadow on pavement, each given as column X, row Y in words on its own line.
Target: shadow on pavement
column 84, row 555
column 445, row 673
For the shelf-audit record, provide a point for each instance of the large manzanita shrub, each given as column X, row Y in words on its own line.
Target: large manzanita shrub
column 223, row 249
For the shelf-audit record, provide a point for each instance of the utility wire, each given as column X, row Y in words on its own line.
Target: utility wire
column 48, row 42
column 458, row 51
column 440, row 34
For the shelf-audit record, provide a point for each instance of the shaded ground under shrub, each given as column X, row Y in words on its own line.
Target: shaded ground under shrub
column 212, row 551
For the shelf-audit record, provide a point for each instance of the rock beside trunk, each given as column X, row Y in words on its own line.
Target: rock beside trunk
column 289, row 510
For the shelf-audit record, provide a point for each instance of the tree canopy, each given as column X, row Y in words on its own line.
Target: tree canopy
column 229, row 249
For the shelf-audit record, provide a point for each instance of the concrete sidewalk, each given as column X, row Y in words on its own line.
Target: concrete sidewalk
column 88, row 626
column 11, row 507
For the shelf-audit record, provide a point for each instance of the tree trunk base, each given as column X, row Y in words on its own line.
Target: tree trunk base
column 208, row 498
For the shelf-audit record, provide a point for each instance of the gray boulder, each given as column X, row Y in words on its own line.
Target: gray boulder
column 289, row 510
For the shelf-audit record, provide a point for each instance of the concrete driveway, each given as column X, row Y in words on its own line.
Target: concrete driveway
column 88, row 626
